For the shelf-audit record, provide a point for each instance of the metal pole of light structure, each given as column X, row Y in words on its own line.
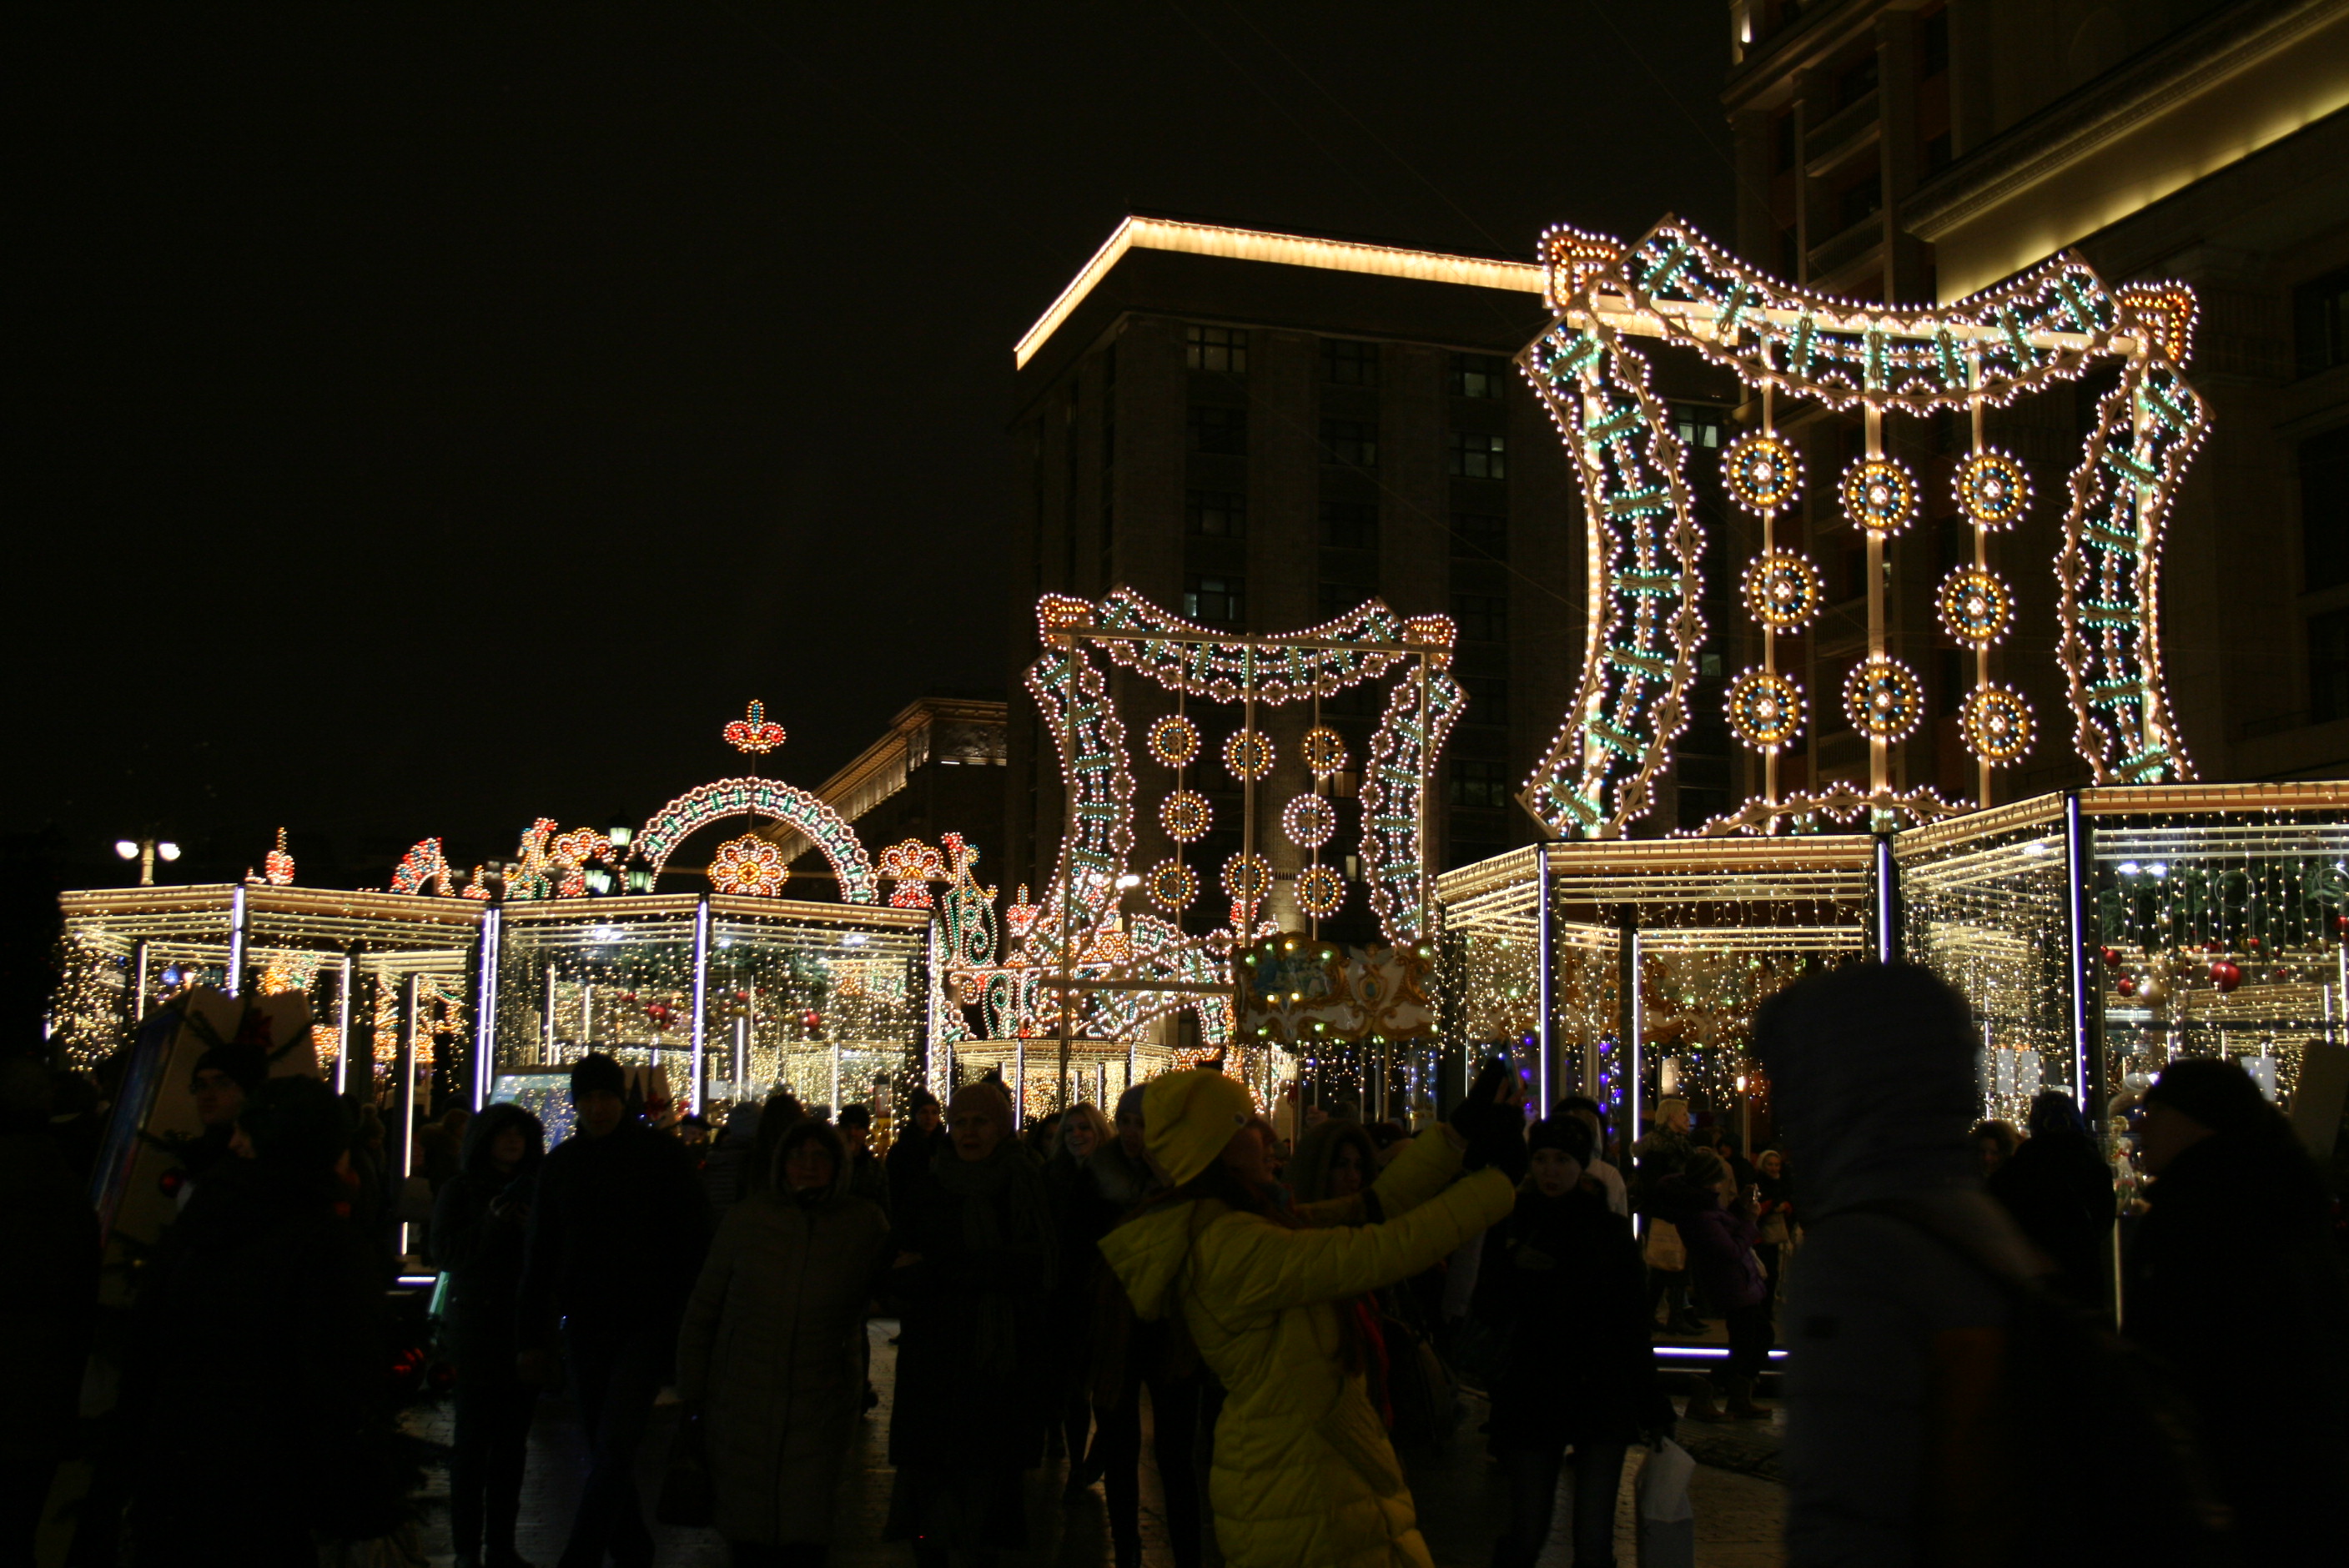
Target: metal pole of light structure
column 2076, row 911
column 701, row 998
column 1068, row 898
column 1544, row 975
column 343, row 1027
column 1634, row 1025
column 140, row 958
column 410, row 987
column 547, row 1028
column 485, row 1021
column 235, row 984
column 835, row 1082
column 1887, row 948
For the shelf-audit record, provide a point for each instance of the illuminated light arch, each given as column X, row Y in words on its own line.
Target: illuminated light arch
column 2047, row 326
column 713, row 802
column 425, row 864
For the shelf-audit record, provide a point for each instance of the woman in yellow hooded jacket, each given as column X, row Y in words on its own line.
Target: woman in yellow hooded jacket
column 1304, row 1476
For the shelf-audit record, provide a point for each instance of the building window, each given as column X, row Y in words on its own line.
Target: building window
column 1478, row 375
column 2320, row 312
column 2324, row 511
column 1350, row 524
column 1857, row 80
column 1476, row 455
column 1488, row 699
column 1476, row 538
column 1354, row 442
column 1933, row 44
column 1482, row 617
column 1784, row 129
column 1221, row 348
column 1859, row 202
column 1938, row 153
column 2328, row 666
column 1350, row 362
column 1217, row 601
column 1338, row 598
column 1221, row 431
column 1479, row 784
column 1699, row 425
column 1216, row 514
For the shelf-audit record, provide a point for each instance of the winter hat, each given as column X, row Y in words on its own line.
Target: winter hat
column 2216, row 1093
column 1569, row 1135
column 1705, row 1168
column 597, row 1072
column 855, row 1116
column 1189, row 1116
column 296, row 1125
column 245, row 1061
column 1129, row 1103
column 985, row 1094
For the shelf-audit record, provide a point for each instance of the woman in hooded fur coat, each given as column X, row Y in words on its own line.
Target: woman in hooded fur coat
column 770, row 1347
column 479, row 1227
column 1303, row 1472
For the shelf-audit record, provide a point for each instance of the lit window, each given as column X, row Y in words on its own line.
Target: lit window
column 1217, row 601
column 1698, row 425
column 1478, row 375
column 1353, row 442
column 1223, row 348
column 1476, row 455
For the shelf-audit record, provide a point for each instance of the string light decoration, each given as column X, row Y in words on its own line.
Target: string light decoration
column 1320, row 891
column 1171, row 886
column 277, row 866
column 425, row 865
column 754, row 733
column 713, row 802
column 1764, row 472
column 2049, row 325
column 1402, row 754
column 1878, row 494
column 1247, row 878
column 1993, row 488
column 1783, row 590
column 1882, row 698
column 749, row 865
column 1186, row 816
column 1310, row 821
column 913, row 866
column 1248, row 755
column 1997, row 724
column 1200, row 661
column 1175, row 741
column 1323, row 751
column 1764, row 709
column 1975, row 608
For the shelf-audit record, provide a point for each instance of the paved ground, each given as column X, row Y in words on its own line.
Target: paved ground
column 1738, row 1506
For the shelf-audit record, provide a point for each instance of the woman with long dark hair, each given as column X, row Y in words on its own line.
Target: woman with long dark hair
column 479, row 1227
column 1303, row 1474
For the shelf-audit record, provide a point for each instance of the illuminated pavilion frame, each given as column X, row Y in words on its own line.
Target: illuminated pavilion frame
column 2049, row 325
column 1077, row 943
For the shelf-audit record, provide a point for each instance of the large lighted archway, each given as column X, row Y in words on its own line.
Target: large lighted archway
column 825, row 828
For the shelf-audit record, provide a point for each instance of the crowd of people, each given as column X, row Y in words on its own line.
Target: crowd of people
column 1276, row 1311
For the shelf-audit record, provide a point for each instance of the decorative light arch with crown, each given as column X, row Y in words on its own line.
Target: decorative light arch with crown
column 751, row 863
column 2048, row 326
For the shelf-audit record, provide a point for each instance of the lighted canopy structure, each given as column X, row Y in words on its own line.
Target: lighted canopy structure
column 2051, row 326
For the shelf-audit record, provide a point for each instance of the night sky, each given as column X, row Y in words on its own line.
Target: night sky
column 426, row 419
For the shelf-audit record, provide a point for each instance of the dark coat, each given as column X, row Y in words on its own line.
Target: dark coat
column 480, row 1228
column 908, row 1163
column 2060, row 1191
column 617, row 1231
column 952, row 1412
column 2233, row 1279
column 1720, row 1242
column 1562, row 1284
column 49, row 1233
column 771, row 1345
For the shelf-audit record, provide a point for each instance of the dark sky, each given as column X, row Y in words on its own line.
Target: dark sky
column 429, row 419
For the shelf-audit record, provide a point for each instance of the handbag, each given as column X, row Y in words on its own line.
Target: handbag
column 1667, row 1532
column 688, row 1500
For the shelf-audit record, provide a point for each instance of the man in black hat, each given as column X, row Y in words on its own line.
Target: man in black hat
column 225, row 1077
column 616, row 1238
column 2233, row 1279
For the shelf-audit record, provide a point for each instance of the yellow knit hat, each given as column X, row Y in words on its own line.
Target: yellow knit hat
column 1188, row 1117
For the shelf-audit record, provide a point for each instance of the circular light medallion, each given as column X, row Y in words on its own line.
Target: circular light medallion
column 1766, row 711
column 1324, row 750
column 1247, row 878
column 749, row 865
column 1320, row 890
column 1175, row 741
column 1186, row 816
column 1997, row 723
column 1309, row 820
column 1783, row 590
column 1882, row 698
column 1761, row 471
column 1879, row 495
column 1171, row 885
column 1975, row 606
column 1994, row 488
column 1248, row 755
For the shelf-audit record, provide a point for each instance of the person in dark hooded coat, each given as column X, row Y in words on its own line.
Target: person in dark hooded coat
column 479, row 1229
column 2233, row 1278
column 1872, row 1065
column 2060, row 1191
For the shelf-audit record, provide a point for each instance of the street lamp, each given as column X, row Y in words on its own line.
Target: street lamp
column 145, row 851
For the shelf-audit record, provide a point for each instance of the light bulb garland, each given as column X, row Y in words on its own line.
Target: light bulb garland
column 1997, row 724
column 1782, row 591
column 1186, row 816
column 1765, row 709
column 1320, row 892
column 1248, row 755
column 1310, row 821
column 1879, row 495
column 1993, row 488
column 1975, row 608
column 749, row 865
column 1171, row 886
column 1175, row 741
column 1882, row 698
column 1762, row 471
column 1323, row 751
